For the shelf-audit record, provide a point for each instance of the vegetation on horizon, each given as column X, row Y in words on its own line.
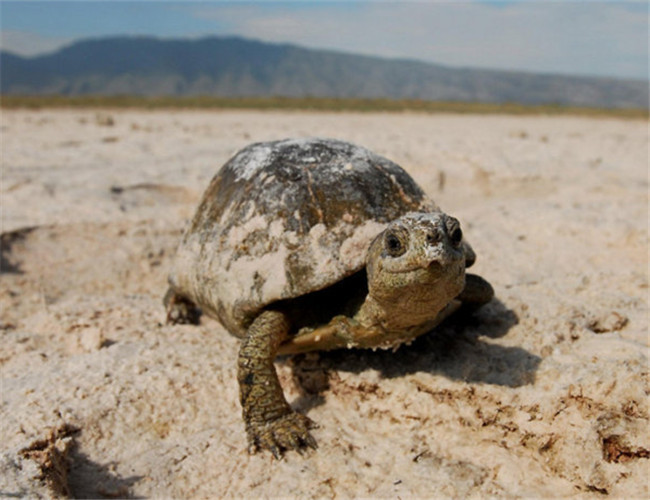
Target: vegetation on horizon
column 309, row 104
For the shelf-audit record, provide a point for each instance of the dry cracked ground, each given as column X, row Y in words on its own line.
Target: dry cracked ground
column 542, row 393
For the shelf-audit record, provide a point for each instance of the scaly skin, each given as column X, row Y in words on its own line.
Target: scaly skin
column 270, row 422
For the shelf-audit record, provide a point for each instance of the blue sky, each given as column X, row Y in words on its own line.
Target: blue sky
column 607, row 38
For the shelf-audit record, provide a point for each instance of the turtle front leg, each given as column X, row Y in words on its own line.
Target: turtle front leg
column 270, row 422
column 477, row 292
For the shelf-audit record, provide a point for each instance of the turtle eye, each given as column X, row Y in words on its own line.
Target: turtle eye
column 394, row 245
column 455, row 232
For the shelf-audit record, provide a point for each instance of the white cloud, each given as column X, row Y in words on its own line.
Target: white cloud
column 607, row 38
column 25, row 43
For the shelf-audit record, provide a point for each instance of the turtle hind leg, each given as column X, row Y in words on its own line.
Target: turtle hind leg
column 180, row 310
column 477, row 292
column 270, row 422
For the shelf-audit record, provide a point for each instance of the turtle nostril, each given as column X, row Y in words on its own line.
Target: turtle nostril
column 432, row 238
column 456, row 236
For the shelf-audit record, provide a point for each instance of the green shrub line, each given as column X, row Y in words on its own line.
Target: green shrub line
column 308, row 104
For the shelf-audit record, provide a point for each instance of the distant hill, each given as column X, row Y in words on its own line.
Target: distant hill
column 236, row 67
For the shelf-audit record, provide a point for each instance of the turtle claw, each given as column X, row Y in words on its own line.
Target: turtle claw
column 276, row 452
column 180, row 311
column 311, row 442
column 289, row 432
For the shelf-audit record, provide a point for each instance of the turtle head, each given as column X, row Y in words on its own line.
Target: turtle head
column 416, row 266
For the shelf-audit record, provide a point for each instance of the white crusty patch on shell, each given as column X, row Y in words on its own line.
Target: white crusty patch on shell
column 215, row 276
column 277, row 229
column 255, row 275
column 353, row 249
column 181, row 274
column 322, row 253
column 256, row 158
column 269, row 271
column 239, row 233
column 359, row 161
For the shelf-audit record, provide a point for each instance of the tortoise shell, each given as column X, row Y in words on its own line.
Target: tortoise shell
column 286, row 218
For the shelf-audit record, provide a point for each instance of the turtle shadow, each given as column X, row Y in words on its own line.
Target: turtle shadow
column 90, row 479
column 456, row 350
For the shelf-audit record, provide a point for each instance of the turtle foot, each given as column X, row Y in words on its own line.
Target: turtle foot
column 181, row 311
column 476, row 293
column 289, row 432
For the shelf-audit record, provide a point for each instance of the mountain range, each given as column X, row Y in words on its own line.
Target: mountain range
column 236, row 67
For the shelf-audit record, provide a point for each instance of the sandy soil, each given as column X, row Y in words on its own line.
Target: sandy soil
column 542, row 393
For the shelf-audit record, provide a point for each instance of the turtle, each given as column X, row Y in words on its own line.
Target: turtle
column 315, row 244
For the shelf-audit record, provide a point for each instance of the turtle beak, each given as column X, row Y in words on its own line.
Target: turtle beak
column 434, row 265
column 436, row 251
